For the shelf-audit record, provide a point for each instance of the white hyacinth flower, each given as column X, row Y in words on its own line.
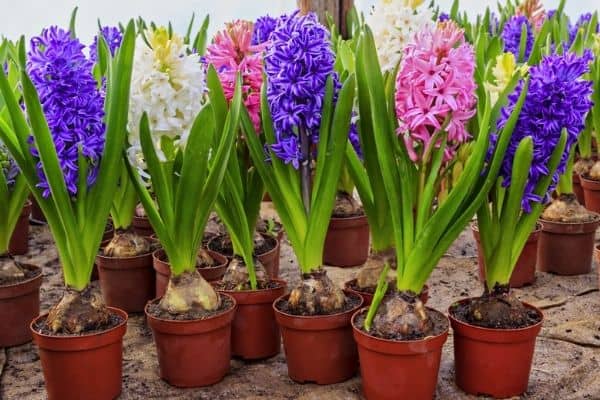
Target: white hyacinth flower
column 394, row 24
column 170, row 87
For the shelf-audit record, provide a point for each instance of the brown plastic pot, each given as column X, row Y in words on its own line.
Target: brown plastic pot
column 193, row 353
column 392, row 369
column 37, row 215
column 347, row 242
column 578, row 189
column 524, row 272
column 127, row 283
column 163, row 270
column 493, row 362
column 319, row 349
column 566, row 248
column 109, row 232
column 255, row 334
column 19, row 241
column 141, row 226
column 368, row 296
column 19, row 304
column 270, row 259
column 591, row 193
column 83, row 366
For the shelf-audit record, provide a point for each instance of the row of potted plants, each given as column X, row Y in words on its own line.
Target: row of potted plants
column 449, row 132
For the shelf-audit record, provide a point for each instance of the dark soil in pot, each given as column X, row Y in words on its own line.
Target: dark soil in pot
column 255, row 333
column 267, row 250
column 320, row 348
column 347, row 240
column 524, row 272
column 127, row 283
column 211, row 271
column 19, row 304
column 86, row 366
column 566, row 242
column 19, row 241
column 481, row 352
column 400, row 369
column 194, row 349
column 368, row 293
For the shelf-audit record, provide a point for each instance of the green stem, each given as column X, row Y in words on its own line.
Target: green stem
column 565, row 181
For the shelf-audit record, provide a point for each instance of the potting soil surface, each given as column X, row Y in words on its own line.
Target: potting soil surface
column 565, row 366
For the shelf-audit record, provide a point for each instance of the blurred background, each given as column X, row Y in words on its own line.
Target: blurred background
column 28, row 17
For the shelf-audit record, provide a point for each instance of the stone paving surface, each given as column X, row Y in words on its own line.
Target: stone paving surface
column 565, row 366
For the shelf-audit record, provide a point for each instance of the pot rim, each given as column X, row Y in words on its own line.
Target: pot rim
column 589, row 182
column 494, row 330
column 114, row 310
column 33, row 278
column 392, row 341
column 270, row 251
column 350, row 218
column 316, row 317
column 559, row 223
column 190, row 321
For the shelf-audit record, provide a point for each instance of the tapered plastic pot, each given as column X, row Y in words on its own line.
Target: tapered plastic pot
column 524, row 272
column 37, row 216
column 493, row 362
column 597, row 254
column 347, row 242
column 255, row 334
column 141, row 226
column 270, row 259
column 163, row 270
column 567, row 248
column 19, row 304
column 84, row 366
column 319, row 349
column 193, row 353
column 392, row 369
column 578, row 189
column 591, row 193
column 127, row 283
column 19, row 241
column 368, row 296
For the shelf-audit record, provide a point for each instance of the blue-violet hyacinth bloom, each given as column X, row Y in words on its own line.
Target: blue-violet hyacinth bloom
column 558, row 97
column 298, row 64
column 583, row 20
column 8, row 166
column 72, row 103
column 443, row 17
column 511, row 35
column 263, row 27
column 113, row 37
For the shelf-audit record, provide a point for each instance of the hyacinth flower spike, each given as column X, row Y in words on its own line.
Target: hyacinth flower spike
column 303, row 130
column 71, row 165
column 414, row 161
column 13, row 187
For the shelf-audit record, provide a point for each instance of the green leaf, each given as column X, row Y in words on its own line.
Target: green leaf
column 72, row 22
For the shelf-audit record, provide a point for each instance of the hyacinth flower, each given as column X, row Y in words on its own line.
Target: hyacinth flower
column 13, row 187
column 555, row 100
column 67, row 144
column 518, row 37
column 394, row 22
column 185, row 144
column 416, row 142
column 304, row 134
column 232, row 54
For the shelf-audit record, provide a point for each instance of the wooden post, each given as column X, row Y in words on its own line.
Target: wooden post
column 336, row 8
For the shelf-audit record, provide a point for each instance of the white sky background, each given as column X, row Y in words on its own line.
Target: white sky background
column 28, row 17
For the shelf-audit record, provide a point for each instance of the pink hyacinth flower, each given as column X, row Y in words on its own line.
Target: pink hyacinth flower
column 232, row 52
column 435, row 85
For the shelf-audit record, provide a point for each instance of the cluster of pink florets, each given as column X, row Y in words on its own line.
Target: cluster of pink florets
column 435, row 86
column 232, row 52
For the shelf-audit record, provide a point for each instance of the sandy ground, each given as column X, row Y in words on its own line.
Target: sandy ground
column 566, row 362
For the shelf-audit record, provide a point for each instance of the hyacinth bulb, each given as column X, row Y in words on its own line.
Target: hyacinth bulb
column 127, row 244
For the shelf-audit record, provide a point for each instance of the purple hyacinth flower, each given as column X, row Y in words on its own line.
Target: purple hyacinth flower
column 511, row 35
column 558, row 98
column 297, row 64
column 443, row 17
column 583, row 20
column 263, row 28
column 113, row 37
column 8, row 166
column 72, row 104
